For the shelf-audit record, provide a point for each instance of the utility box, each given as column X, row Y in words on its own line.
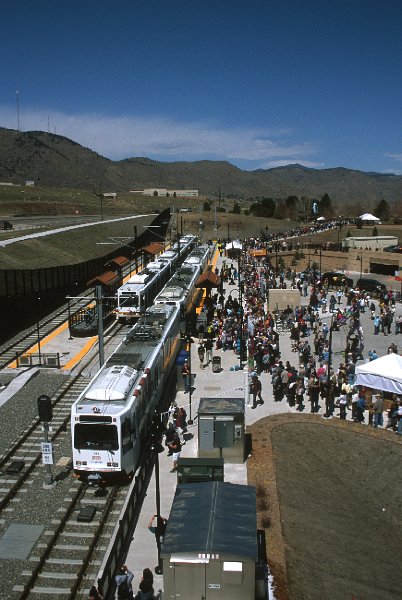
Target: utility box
column 210, row 546
column 221, row 429
column 194, row 470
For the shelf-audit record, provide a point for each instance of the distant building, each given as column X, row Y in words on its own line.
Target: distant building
column 112, row 195
column 30, row 183
column 376, row 242
column 166, row 193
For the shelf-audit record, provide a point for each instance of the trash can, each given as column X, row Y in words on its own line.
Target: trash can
column 216, row 364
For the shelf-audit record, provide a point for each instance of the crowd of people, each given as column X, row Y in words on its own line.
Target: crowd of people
column 311, row 378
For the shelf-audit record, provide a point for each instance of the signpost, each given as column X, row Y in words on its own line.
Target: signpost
column 45, row 410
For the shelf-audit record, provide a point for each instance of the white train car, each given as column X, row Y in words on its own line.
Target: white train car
column 111, row 418
column 200, row 257
column 138, row 293
column 180, row 290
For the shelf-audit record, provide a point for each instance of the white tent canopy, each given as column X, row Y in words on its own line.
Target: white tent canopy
column 321, row 219
column 368, row 217
column 383, row 373
column 235, row 245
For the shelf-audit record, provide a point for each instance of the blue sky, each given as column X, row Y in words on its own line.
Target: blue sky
column 257, row 83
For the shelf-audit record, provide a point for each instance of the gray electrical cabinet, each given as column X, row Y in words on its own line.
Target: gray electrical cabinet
column 221, row 429
column 210, row 546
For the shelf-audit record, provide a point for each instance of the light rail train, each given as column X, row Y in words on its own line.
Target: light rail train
column 138, row 293
column 110, row 420
column 180, row 290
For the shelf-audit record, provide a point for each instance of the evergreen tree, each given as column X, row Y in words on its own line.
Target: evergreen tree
column 382, row 210
column 265, row 208
column 325, row 207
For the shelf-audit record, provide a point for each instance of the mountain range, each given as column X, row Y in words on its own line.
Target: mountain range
column 52, row 160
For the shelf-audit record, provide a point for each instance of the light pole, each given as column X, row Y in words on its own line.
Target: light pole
column 99, row 194
column 329, row 402
column 241, row 309
column 38, row 326
column 360, row 258
column 276, row 259
column 156, row 448
column 320, row 262
column 190, row 391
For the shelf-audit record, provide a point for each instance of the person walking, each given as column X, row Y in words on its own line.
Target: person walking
column 201, row 355
column 256, row 389
column 124, row 579
column 378, row 409
column 343, row 403
column 146, row 589
column 186, row 376
column 314, row 392
column 201, row 332
column 208, row 349
column 175, row 447
column 300, row 389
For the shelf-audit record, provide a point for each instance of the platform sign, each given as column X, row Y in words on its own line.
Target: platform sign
column 47, row 459
column 47, row 453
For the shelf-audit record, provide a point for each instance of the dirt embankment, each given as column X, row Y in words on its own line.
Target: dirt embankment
column 328, row 496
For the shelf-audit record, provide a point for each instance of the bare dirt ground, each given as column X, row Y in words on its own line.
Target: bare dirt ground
column 328, row 497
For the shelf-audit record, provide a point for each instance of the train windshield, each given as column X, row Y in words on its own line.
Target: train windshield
column 128, row 301
column 95, row 437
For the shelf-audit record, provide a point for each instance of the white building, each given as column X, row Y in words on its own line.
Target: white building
column 377, row 242
column 166, row 193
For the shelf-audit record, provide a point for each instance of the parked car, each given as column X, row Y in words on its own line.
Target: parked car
column 397, row 249
column 336, row 278
column 6, row 225
column 370, row 285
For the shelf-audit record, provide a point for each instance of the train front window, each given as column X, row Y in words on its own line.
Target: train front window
column 95, row 437
column 129, row 301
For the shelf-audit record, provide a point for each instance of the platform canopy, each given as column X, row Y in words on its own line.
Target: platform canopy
column 383, row 373
column 208, row 280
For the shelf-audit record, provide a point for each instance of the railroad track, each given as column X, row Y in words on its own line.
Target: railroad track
column 69, row 552
column 23, row 492
column 21, row 343
column 18, row 462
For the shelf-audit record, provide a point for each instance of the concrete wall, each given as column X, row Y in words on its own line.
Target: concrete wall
column 280, row 299
column 370, row 242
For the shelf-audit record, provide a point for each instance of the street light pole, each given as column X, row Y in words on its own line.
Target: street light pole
column 241, row 311
column 156, row 447
column 328, row 404
column 320, row 261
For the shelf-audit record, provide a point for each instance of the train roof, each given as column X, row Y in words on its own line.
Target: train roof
column 157, row 265
column 168, row 255
column 143, row 337
column 141, row 277
column 171, row 292
column 112, row 384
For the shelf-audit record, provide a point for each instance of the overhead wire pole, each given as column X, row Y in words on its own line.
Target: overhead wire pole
column 328, row 412
column 241, row 309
